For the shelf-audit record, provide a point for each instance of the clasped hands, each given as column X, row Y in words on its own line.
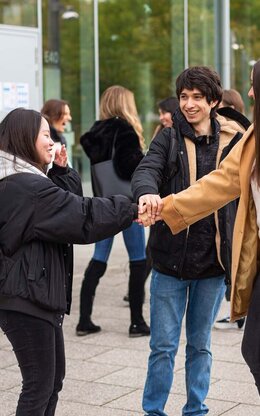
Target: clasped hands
column 149, row 209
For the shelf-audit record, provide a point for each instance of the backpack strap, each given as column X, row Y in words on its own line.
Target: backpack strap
column 172, row 155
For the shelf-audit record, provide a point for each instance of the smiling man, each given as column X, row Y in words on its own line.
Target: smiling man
column 189, row 269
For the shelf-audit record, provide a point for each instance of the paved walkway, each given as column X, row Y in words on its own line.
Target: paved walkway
column 106, row 371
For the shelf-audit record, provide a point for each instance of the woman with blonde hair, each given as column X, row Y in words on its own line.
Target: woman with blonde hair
column 119, row 127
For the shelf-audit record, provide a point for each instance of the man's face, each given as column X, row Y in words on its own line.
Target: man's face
column 195, row 107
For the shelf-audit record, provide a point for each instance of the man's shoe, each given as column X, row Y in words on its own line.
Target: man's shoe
column 226, row 324
column 87, row 329
column 139, row 330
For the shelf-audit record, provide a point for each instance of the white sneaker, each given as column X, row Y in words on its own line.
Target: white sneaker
column 226, row 324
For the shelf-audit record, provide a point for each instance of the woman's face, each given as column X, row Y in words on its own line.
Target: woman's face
column 60, row 124
column 44, row 144
column 251, row 91
column 165, row 118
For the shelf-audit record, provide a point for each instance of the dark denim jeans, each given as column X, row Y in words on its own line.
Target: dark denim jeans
column 39, row 349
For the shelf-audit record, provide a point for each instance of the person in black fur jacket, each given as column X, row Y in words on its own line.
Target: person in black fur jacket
column 40, row 218
column 119, row 124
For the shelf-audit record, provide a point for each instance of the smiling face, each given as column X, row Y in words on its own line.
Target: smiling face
column 44, row 144
column 60, row 124
column 165, row 118
column 196, row 110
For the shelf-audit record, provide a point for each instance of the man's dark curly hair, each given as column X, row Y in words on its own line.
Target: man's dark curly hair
column 205, row 79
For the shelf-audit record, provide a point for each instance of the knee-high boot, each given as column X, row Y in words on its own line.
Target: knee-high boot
column 137, row 279
column 93, row 273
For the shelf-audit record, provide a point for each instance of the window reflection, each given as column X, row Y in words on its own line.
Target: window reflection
column 18, row 12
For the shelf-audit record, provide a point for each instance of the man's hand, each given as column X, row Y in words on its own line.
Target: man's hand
column 146, row 221
column 152, row 205
column 61, row 156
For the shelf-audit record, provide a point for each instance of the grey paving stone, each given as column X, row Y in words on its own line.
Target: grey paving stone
column 124, row 357
column 7, row 358
column 235, row 391
column 78, row 409
column 9, row 379
column 89, row 371
column 91, row 393
column 106, row 372
column 243, row 410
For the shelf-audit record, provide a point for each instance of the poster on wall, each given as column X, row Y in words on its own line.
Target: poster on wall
column 14, row 94
column 1, row 97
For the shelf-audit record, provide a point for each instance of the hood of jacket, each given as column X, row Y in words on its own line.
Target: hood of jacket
column 11, row 165
column 220, row 124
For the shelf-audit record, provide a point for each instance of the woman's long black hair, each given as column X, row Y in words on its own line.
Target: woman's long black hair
column 18, row 134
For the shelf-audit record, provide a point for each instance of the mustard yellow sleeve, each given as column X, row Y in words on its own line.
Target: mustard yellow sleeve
column 207, row 195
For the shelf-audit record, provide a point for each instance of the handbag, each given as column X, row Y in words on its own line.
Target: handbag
column 106, row 182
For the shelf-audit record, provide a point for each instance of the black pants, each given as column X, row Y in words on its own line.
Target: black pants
column 39, row 349
column 251, row 339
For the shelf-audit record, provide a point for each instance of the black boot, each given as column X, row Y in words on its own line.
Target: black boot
column 148, row 268
column 137, row 279
column 93, row 272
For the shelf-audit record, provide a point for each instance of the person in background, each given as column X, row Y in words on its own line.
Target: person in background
column 238, row 176
column 190, row 269
column 42, row 216
column 232, row 102
column 119, row 124
column 232, row 98
column 166, row 108
column 57, row 112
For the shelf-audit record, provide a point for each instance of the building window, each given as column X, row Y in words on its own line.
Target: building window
column 18, row 12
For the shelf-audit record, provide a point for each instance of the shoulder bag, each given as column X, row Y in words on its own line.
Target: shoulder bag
column 106, row 182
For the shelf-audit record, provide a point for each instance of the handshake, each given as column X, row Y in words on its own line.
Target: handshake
column 149, row 209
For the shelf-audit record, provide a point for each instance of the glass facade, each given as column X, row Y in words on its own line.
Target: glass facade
column 89, row 45
column 18, row 12
column 245, row 44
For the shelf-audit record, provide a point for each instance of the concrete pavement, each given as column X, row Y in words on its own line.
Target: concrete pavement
column 106, row 371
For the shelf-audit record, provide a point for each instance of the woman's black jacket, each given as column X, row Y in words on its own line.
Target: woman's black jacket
column 98, row 143
column 38, row 222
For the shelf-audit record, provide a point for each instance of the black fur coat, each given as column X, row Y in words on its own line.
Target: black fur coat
column 98, row 142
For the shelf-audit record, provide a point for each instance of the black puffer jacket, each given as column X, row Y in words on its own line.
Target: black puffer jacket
column 190, row 254
column 38, row 221
column 98, row 143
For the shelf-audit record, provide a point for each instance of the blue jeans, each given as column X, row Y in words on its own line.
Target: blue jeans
column 134, row 239
column 170, row 297
column 39, row 349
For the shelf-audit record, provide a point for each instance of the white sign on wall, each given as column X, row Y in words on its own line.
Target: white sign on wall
column 1, row 97
column 15, row 94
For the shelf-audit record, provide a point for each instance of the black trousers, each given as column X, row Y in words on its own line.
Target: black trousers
column 39, row 349
column 251, row 339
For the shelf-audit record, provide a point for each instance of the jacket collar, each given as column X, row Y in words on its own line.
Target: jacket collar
column 186, row 130
column 10, row 165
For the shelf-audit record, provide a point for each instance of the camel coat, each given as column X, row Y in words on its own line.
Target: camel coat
column 213, row 191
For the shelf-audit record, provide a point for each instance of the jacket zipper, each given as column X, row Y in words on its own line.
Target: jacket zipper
column 187, row 232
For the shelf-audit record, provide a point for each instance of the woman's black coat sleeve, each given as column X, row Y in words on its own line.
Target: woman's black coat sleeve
column 66, row 178
column 60, row 216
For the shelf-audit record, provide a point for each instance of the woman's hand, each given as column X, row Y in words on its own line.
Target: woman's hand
column 146, row 221
column 151, row 205
column 61, row 156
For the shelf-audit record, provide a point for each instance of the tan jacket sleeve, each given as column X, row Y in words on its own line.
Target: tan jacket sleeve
column 207, row 195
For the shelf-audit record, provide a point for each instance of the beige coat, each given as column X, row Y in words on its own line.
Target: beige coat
column 230, row 181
